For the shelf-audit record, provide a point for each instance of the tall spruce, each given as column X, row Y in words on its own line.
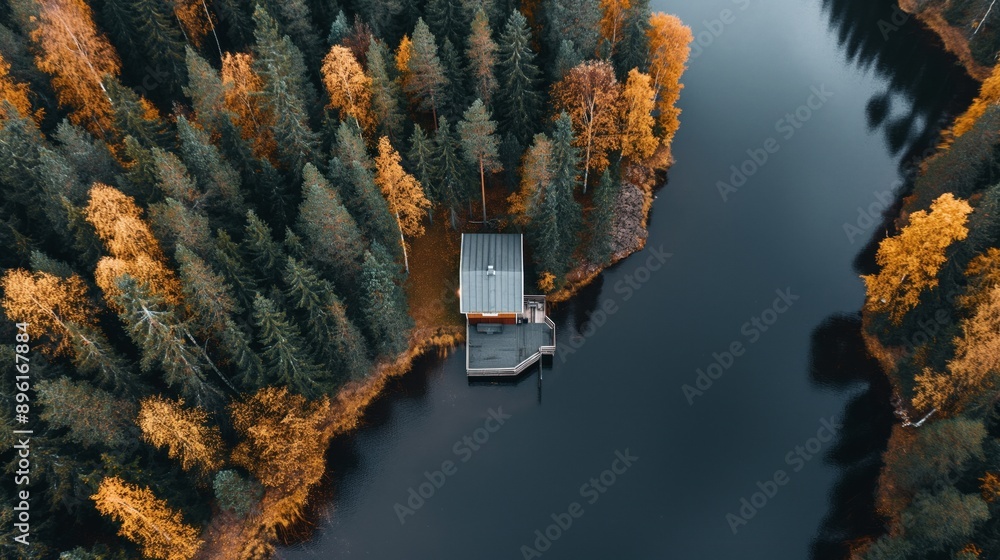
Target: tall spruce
column 557, row 217
column 451, row 179
column 331, row 237
column 479, row 143
column 286, row 358
column 385, row 308
column 425, row 82
column 519, row 102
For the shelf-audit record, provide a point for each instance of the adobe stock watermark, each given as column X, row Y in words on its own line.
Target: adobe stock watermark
column 591, row 491
column 871, row 215
column 626, row 289
column 752, row 331
column 796, row 459
column 464, row 449
column 898, row 19
column 712, row 29
column 786, row 127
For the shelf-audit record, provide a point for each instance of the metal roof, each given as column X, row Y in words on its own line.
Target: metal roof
column 496, row 290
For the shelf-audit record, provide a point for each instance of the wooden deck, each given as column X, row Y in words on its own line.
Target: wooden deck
column 510, row 351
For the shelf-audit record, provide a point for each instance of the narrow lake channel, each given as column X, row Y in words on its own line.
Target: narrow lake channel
column 796, row 114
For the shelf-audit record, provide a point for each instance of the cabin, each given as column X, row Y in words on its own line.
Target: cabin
column 506, row 330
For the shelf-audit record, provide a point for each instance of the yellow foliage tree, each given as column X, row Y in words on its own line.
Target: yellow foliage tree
column 70, row 49
column 48, row 303
column 146, row 520
column 989, row 94
column 402, row 191
column 669, row 49
column 613, row 14
column 536, row 173
column 637, row 102
column 195, row 19
column 349, row 88
column 133, row 248
column 403, row 54
column 590, row 94
column 15, row 93
column 910, row 261
column 283, row 446
column 185, row 433
column 243, row 90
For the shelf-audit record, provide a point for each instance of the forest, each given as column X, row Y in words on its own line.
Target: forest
column 930, row 320
column 208, row 212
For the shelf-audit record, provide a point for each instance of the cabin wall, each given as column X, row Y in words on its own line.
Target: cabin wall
column 499, row 318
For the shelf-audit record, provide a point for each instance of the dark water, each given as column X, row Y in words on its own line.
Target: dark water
column 881, row 99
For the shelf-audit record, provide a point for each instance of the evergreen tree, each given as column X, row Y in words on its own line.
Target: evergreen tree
column 164, row 340
column 265, row 253
column 336, row 342
column 133, row 117
column 425, row 81
column 518, row 101
column 387, row 97
column 338, row 29
column 633, row 50
column 216, row 177
column 567, row 58
column 90, row 157
column 479, row 143
column 448, row 20
column 147, row 34
column 235, row 20
column 369, row 208
column 296, row 23
column 557, row 217
column 451, row 179
column 575, row 21
column 454, row 98
column 208, row 297
column 228, row 260
column 287, row 92
column 510, row 157
column 602, row 218
column 93, row 416
column 285, row 357
column 243, row 359
column 420, row 158
column 331, row 236
column 380, row 14
column 385, row 307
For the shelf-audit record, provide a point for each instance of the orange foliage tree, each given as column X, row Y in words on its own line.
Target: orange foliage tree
column 590, row 94
column 70, row 49
column 669, row 49
column 133, row 248
column 989, row 94
column 146, row 520
column 183, row 431
column 15, row 93
column 402, row 191
column 195, row 19
column 283, row 445
column 48, row 303
column 243, row 90
column 910, row 261
column 614, row 13
column 349, row 88
column 637, row 102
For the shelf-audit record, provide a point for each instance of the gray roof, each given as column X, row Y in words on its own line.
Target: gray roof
column 501, row 291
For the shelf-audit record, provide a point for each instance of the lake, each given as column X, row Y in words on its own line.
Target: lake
column 711, row 398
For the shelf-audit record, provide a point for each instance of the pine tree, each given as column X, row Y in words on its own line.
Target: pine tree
column 146, row 520
column 633, row 49
column 455, row 93
column 482, row 56
column 226, row 256
column 567, row 58
column 573, row 20
column 207, row 296
column 480, row 142
column 177, row 224
column 424, row 80
column 380, row 14
column 519, row 103
column 338, row 29
column 448, row 20
column 90, row 157
column 420, row 157
column 284, row 351
column 235, row 493
column 206, row 91
column 265, row 253
column 602, row 219
column 94, row 417
column 236, row 21
column 164, row 340
column 336, row 342
column 451, row 177
column 287, row 92
column 331, row 236
column 386, row 94
column 134, row 116
column 558, row 214
column 385, row 308
column 216, row 177
column 295, row 17
column 154, row 39
column 403, row 193
column 369, row 207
